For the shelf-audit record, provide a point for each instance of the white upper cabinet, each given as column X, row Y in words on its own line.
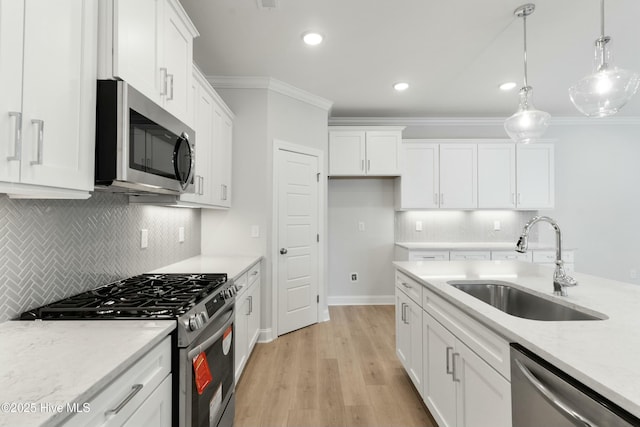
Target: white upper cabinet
column 535, row 176
column 357, row 151
column 213, row 124
column 497, row 175
column 419, row 187
column 48, row 124
column 516, row 176
column 149, row 44
column 470, row 174
column 458, row 176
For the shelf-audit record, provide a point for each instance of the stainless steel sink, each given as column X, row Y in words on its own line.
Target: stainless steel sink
column 520, row 303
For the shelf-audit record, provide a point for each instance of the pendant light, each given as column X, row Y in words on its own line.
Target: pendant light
column 527, row 124
column 608, row 89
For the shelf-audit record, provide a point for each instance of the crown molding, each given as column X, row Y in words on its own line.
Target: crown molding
column 268, row 83
column 475, row 121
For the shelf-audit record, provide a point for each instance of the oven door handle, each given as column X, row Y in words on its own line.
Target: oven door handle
column 552, row 398
column 211, row 340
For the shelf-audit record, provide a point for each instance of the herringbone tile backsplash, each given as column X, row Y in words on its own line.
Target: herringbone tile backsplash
column 51, row 249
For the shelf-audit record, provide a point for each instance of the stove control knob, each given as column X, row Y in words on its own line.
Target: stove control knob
column 203, row 317
column 195, row 322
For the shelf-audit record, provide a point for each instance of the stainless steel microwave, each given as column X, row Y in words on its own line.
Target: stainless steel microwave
column 140, row 147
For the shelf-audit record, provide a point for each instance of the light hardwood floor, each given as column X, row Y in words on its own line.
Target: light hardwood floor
column 338, row 373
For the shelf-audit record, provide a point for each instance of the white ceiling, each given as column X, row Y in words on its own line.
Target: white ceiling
column 453, row 53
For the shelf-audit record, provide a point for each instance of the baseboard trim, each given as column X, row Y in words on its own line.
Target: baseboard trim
column 266, row 335
column 362, row 300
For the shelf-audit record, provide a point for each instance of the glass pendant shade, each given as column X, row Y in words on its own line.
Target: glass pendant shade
column 608, row 89
column 527, row 124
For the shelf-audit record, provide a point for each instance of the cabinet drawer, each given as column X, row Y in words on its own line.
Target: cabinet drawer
column 550, row 256
column 511, row 256
column 241, row 282
column 137, row 383
column 253, row 274
column 492, row 348
column 429, row 256
column 409, row 286
column 469, row 255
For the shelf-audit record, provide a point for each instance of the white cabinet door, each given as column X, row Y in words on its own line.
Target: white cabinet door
column 458, row 176
column 11, row 42
column 136, row 29
column 156, row 410
column 535, row 176
column 497, row 175
column 177, row 59
column 414, row 320
column 403, row 333
column 483, row 395
column 253, row 326
column 223, row 157
column 241, row 333
column 439, row 387
column 347, row 153
column 420, row 180
column 203, row 126
column 382, row 152
column 58, row 119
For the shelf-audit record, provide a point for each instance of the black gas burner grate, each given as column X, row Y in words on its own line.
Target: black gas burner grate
column 162, row 296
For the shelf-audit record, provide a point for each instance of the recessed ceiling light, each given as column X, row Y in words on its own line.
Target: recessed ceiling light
column 401, row 86
column 312, row 39
column 508, row 86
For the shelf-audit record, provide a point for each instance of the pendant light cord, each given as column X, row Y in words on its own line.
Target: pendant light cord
column 524, row 20
column 602, row 19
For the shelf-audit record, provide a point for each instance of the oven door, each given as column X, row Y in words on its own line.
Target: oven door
column 207, row 409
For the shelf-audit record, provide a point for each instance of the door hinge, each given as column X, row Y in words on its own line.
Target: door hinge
column 317, row 238
column 318, row 299
column 318, row 177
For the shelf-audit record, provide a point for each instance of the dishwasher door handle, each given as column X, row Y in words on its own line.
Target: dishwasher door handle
column 552, row 398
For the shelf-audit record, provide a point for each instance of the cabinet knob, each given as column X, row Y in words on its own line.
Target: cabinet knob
column 283, row 251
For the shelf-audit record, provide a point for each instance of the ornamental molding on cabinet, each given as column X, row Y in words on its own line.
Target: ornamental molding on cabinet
column 475, row 121
column 256, row 82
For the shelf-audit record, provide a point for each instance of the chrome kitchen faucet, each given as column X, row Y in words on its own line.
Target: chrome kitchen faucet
column 561, row 280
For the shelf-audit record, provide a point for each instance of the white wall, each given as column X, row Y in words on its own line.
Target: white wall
column 368, row 252
column 261, row 116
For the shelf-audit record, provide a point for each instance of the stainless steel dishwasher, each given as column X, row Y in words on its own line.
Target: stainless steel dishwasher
column 544, row 396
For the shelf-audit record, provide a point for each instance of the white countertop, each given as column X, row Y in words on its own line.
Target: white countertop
column 470, row 246
column 603, row 354
column 58, row 362
column 234, row 266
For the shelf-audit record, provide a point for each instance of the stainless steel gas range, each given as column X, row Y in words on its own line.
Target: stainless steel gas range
column 203, row 357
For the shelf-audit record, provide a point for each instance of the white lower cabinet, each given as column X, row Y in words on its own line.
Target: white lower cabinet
column 446, row 354
column 141, row 396
column 247, row 320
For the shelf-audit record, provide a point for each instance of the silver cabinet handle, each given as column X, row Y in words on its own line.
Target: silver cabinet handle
column 362, row 165
column 513, row 198
column 163, row 81
column 40, row 124
column 134, row 390
column 283, row 251
column 453, row 367
column 435, row 199
column 254, row 273
column 553, row 399
column 170, row 97
column 368, row 165
column 250, row 304
column 519, row 198
column 449, row 350
column 441, row 199
column 224, row 191
column 17, row 136
column 406, row 318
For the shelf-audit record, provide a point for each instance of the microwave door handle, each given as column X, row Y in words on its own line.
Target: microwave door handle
column 575, row 417
column 211, row 340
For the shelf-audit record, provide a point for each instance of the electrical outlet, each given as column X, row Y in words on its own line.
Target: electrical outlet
column 361, row 226
column 255, row 231
column 496, row 225
column 418, row 225
column 144, row 238
column 180, row 234
column 354, row 277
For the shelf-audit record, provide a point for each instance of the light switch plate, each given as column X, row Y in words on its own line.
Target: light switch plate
column 496, row 225
column 181, row 234
column 255, row 231
column 418, row 225
column 144, row 238
column 361, row 226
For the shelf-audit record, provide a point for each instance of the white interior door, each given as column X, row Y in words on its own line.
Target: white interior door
column 298, row 262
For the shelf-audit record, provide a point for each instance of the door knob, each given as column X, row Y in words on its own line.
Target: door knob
column 283, row 251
